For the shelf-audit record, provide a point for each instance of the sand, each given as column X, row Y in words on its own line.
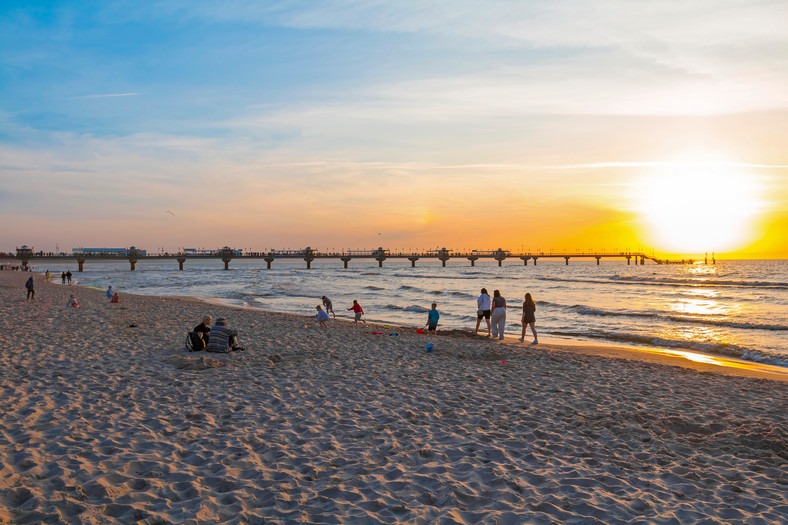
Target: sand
column 105, row 422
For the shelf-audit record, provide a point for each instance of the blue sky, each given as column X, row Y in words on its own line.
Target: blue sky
column 416, row 119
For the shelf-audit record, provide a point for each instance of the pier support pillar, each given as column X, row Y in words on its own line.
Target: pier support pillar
column 81, row 264
column 567, row 260
column 308, row 262
column 268, row 261
column 642, row 261
column 525, row 260
column 443, row 261
column 345, row 260
column 535, row 258
column 133, row 263
column 413, row 261
column 628, row 259
column 473, row 260
column 181, row 260
column 226, row 263
column 597, row 260
column 380, row 261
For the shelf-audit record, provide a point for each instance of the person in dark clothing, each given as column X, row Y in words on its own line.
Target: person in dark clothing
column 68, row 276
column 529, row 317
column 31, row 293
column 63, row 278
column 204, row 329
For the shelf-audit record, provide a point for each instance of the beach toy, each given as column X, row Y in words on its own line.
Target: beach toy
column 376, row 333
column 386, row 327
column 430, row 348
column 503, row 361
column 420, row 331
column 393, row 333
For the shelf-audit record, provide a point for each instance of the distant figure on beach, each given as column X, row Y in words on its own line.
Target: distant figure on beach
column 223, row 338
column 529, row 317
column 115, row 298
column 63, row 278
column 483, row 310
column 358, row 311
column 322, row 316
column 73, row 302
column 204, row 330
column 109, row 293
column 498, row 314
column 68, row 276
column 432, row 319
column 30, row 290
column 48, row 276
column 329, row 306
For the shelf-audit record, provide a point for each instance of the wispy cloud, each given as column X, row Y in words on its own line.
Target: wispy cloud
column 106, row 95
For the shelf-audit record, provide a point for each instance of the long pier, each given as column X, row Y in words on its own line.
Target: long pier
column 308, row 255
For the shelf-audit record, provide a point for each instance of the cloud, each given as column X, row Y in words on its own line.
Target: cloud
column 108, row 95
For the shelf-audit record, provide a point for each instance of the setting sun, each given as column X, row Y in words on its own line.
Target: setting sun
column 697, row 207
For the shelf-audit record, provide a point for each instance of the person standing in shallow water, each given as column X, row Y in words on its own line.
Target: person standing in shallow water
column 498, row 314
column 529, row 317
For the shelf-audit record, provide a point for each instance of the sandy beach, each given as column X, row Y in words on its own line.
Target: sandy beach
column 107, row 419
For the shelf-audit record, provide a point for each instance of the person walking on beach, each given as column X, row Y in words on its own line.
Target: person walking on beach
column 68, row 276
column 498, row 314
column 432, row 319
column 483, row 311
column 329, row 306
column 63, row 278
column 322, row 316
column 529, row 317
column 109, row 293
column 358, row 311
column 31, row 293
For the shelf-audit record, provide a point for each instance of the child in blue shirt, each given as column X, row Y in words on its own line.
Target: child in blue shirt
column 432, row 319
column 322, row 316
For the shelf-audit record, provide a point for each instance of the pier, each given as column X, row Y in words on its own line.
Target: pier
column 133, row 255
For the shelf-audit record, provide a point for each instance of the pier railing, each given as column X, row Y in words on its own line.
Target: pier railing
column 226, row 254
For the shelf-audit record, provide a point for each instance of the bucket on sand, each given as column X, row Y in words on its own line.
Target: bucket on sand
column 430, row 347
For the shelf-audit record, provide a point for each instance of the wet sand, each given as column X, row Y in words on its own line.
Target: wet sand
column 107, row 419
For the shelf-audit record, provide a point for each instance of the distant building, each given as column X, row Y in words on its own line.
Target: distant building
column 112, row 252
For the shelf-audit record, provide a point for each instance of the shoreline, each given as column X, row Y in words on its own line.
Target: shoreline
column 686, row 358
column 666, row 356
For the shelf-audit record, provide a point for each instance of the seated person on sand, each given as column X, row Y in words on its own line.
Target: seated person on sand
column 223, row 338
column 204, row 329
column 73, row 302
column 322, row 316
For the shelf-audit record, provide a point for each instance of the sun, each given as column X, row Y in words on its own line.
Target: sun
column 695, row 207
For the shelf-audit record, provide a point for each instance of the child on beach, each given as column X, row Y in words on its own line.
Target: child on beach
column 115, row 298
column 432, row 319
column 322, row 316
column 329, row 306
column 109, row 293
column 73, row 302
column 358, row 311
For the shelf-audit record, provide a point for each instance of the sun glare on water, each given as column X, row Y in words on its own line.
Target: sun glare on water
column 698, row 207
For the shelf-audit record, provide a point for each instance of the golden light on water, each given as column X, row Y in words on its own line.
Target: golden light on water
column 697, row 207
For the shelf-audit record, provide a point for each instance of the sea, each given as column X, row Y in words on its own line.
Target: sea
column 736, row 308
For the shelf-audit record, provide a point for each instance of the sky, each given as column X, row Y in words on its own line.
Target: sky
column 563, row 125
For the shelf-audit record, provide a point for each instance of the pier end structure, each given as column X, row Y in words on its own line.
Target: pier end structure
column 444, row 255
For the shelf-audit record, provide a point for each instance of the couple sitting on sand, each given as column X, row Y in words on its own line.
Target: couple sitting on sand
column 218, row 337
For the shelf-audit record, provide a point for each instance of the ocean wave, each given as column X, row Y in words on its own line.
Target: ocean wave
column 672, row 282
column 370, row 287
column 586, row 310
column 450, row 276
column 727, row 350
column 412, row 308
